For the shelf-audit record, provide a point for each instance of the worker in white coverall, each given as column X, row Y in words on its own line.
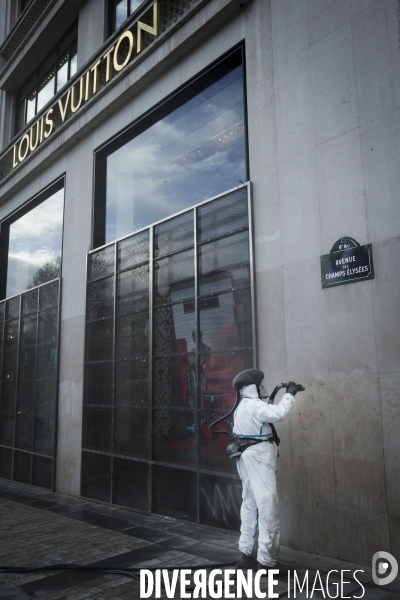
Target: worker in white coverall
column 257, row 467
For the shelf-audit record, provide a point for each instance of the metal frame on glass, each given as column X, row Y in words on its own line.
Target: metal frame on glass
column 37, row 312
column 227, row 472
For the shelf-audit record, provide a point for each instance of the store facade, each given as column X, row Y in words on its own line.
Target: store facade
column 172, row 173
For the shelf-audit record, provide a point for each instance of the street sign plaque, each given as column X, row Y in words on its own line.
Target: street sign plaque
column 347, row 262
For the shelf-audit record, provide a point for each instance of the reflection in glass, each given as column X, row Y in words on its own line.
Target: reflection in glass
column 121, row 13
column 131, row 432
column 133, row 335
column 173, row 329
column 133, row 290
column 194, row 153
column 42, row 472
column 222, row 216
column 132, row 382
column 223, row 368
column 73, row 66
column 46, row 90
column 22, row 467
column 31, row 105
column 99, row 383
column 175, row 437
column 228, row 325
column 213, row 455
column 62, row 70
column 101, row 298
column 34, row 252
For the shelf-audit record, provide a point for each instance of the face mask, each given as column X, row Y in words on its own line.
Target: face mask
column 263, row 392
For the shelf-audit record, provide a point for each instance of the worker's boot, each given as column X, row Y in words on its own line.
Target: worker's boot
column 246, row 562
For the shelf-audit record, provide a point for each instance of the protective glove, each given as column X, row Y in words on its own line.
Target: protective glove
column 293, row 388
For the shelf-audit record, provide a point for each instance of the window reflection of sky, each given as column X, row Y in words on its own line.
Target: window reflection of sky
column 192, row 154
column 35, row 241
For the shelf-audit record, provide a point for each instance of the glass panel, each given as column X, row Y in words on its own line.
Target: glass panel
column 6, row 428
column 21, row 115
column 99, row 336
column 174, row 381
column 27, row 364
column 97, row 427
column 48, row 326
column 228, row 325
column 133, row 335
column 62, row 70
column 174, row 278
column 223, row 215
column 28, row 331
column 22, row 467
column 43, row 435
column 49, row 295
column 101, row 298
column 174, row 437
column 130, row 483
column 121, row 13
column 34, row 253
column 46, row 89
column 224, row 366
column 224, row 264
column 46, row 366
column 96, row 476
column 5, row 462
column 175, row 493
column 194, row 153
column 131, row 432
column 12, row 308
column 10, row 365
column 31, row 105
column 73, row 67
column 220, row 501
column 133, row 250
column 7, row 400
column 99, row 384
column 134, row 5
column 45, row 398
column 213, row 455
column 133, row 290
column 11, row 336
column 133, row 382
column 174, row 235
column 42, row 472
column 101, row 263
column 174, row 330
column 30, row 303
column 24, row 431
column 26, row 397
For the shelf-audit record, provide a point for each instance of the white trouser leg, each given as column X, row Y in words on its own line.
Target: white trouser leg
column 248, row 513
column 257, row 468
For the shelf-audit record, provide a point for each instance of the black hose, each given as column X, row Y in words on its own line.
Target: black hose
column 225, row 417
column 106, row 570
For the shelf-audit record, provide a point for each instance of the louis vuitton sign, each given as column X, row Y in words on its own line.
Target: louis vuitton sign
column 129, row 44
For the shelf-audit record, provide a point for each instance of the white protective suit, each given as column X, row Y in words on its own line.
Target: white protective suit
column 257, row 468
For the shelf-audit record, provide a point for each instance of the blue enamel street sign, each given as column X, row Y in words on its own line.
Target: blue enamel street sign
column 347, row 262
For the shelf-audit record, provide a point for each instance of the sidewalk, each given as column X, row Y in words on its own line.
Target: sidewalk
column 42, row 528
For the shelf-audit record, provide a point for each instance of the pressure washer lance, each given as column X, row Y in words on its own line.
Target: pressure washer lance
column 235, row 449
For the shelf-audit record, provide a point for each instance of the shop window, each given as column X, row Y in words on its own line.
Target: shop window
column 58, row 67
column 190, row 147
column 119, row 11
column 169, row 324
column 31, row 242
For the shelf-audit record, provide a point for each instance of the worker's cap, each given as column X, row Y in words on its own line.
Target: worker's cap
column 248, row 377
